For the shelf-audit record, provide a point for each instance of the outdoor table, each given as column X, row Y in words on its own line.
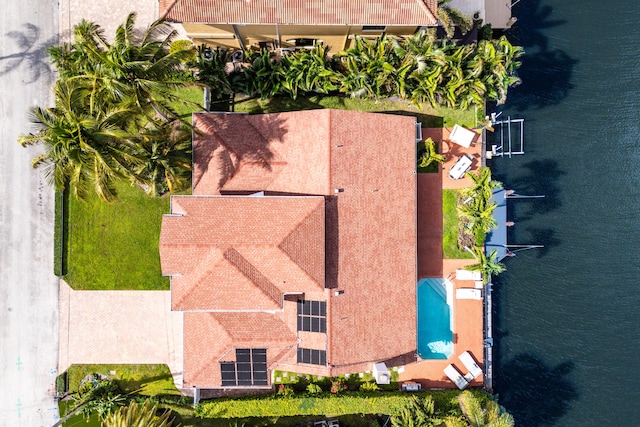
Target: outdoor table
column 462, row 165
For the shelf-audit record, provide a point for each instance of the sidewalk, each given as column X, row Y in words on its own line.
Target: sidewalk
column 107, row 14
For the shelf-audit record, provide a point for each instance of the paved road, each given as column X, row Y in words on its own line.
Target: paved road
column 28, row 288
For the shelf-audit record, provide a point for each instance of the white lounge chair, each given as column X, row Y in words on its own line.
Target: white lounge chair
column 462, row 136
column 462, row 274
column 456, row 377
column 468, row 361
column 469, row 293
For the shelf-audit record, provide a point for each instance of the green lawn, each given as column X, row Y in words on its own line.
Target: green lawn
column 115, row 246
column 450, row 227
column 429, row 117
column 147, row 380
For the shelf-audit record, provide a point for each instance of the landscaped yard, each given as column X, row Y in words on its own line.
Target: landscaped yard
column 450, row 247
column 115, row 246
column 428, row 116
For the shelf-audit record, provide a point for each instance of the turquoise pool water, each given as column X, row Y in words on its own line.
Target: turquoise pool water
column 435, row 331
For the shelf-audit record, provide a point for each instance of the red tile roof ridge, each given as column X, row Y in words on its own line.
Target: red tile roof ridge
column 301, row 12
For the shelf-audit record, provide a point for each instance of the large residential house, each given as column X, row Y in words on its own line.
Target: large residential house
column 297, row 250
column 242, row 24
column 295, row 24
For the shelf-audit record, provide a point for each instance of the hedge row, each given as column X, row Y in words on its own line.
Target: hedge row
column 59, row 233
column 270, row 406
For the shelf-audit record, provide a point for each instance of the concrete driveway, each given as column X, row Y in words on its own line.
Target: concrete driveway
column 117, row 327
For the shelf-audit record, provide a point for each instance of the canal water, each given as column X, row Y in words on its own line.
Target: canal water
column 567, row 317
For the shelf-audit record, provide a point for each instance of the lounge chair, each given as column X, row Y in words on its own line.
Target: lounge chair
column 462, row 136
column 468, row 361
column 456, row 377
column 469, row 293
column 462, row 274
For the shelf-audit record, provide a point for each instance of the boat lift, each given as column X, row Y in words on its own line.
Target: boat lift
column 508, row 137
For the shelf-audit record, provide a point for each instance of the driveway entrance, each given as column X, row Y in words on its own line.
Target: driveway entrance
column 119, row 327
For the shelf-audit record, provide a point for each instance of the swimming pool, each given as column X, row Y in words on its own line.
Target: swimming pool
column 435, row 318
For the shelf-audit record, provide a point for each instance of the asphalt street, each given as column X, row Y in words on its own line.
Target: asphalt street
column 28, row 287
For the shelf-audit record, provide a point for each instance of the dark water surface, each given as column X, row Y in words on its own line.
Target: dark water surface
column 567, row 317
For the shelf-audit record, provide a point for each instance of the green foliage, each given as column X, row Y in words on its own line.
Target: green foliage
column 314, row 389
column 138, row 415
column 451, row 226
column 331, row 405
column 146, row 380
column 59, row 233
column 285, row 390
column 369, row 386
column 417, row 412
column 107, row 93
column 428, row 154
column 483, row 412
column 450, row 17
column 61, row 383
column 184, row 44
column 115, row 246
column 420, row 69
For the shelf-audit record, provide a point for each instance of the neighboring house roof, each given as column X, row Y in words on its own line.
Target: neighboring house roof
column 302, row 12
column 229, row 252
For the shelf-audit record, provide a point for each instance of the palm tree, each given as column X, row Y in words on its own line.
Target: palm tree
column 430, row 153
column 164, row 151
column 417, row 412
column 492, row 415
column 480, row 215
column 134, row 69
column 138, row 415
column 482, row 184
column 450, row 17
column 488, row 265
column 86, row 148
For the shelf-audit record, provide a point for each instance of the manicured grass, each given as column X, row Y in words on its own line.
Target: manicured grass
column 115, row 246
column 146, row 380
column 429, row 117
column 194, row 95
column 450, row 227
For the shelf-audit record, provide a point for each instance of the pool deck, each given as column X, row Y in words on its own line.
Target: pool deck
column 468, row 314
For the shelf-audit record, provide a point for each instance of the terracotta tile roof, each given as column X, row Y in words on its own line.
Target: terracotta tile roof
column 370, row 234
column 234, row 152
column 375, row 164
column 252, row 242
column 210, row 338
column 302, row 12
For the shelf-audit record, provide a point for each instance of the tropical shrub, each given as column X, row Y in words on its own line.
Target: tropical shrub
column 285, row 390
column 369, row 386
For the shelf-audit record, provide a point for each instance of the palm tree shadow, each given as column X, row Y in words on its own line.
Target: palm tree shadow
column 540, row 180
column 31, row 58
column 227, row 141
column 535, row 393
column 546, row 74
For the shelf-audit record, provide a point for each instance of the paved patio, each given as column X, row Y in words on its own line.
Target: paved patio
column 119, row 327
column 468, row 314
column 452, row 153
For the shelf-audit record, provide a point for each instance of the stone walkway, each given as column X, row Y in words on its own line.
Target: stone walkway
column 119, row 327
